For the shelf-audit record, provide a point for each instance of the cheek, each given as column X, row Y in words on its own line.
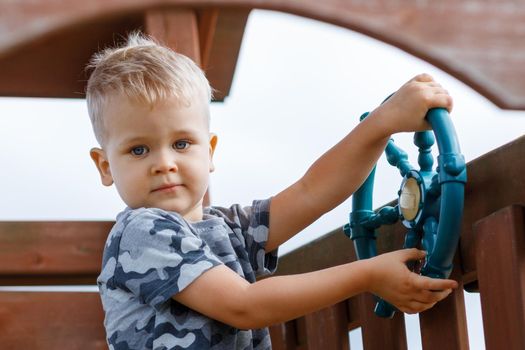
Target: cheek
column 200, row 169
column 131, row 188
column 126, row 177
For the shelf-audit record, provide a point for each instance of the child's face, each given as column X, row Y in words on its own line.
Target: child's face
column 158, row 157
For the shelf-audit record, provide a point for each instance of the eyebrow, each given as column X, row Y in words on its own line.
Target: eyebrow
column 142, row 139
column 130, row 141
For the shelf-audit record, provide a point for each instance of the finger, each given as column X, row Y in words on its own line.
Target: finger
column 424, row 77
column 438, row 97
column 440, row 295
column 442, row 99
column 426, row 296
column 413, row 254
column 439, row 90
column 413, row 307
column 434, row 284
column 432, row 84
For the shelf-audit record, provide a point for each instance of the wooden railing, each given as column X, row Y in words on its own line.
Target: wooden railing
column 490, row 260
column 49, row 254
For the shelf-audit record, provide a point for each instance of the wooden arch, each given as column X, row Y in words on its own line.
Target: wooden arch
column 44, row 44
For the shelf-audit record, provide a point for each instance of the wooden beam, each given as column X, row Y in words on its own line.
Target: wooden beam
column 380, row 333
column 495, row 181
column 42, row 321
column 207, row 28
column 283, row 336
column 501, row 277
column 175, row 28
column 327, row 328
column 445, row 325
column 332, row 249
column 53, row 64
column 222, row 46
column 52, row 251
column 478, row 42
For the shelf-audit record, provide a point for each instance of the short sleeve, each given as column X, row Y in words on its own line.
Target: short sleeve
column 159, row 256
column 251, row 225
column 256, row 237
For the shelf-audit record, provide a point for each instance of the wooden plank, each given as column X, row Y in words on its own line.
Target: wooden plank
column 353, row 313
column 486, row 56
column 222, row 52
column 177, row 29
column 207, row 19
column 501, row 277
column 495, row 181
column 445, row 325
column 283, row 336
column 44, row 321
column 332, row 249
column 52, row 249
column 327, row 328
column 380, row 333
column 211, row 37
column 52, row 64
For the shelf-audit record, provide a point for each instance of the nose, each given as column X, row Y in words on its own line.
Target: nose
column 163, row 163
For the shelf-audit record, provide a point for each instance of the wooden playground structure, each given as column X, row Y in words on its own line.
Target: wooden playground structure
column 44, row 46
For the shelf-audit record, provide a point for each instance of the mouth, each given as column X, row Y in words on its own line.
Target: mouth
column 167, row 188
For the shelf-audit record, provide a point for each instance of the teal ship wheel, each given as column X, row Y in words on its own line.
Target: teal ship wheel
column 430, row 203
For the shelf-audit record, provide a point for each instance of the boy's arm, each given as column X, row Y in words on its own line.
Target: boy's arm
column 223, row 295
column 341, row 170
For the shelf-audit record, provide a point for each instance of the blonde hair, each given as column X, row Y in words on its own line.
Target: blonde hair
column 144, row 71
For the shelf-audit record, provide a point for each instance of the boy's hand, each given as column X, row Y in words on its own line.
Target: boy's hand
column 391, row 280
column 406, row 109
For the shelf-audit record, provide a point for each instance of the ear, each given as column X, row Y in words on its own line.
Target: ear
column 213, row 144
column 101, row 162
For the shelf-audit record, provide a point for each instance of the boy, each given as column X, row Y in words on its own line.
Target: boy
column 177, row 275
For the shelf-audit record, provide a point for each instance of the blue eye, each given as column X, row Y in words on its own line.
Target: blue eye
column 181, row 144
column 139, row 150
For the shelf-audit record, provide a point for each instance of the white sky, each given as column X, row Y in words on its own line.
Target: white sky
column 300, row 86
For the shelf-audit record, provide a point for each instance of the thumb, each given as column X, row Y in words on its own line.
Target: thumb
column 413, row 254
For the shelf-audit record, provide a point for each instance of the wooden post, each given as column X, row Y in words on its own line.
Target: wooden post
column 177, row 29
column 380, row 333
column 445, row 325
column 283, row 336
column 327, row 328
column 500, row 241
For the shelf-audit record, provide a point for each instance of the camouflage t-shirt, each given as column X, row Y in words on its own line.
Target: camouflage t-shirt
column 151, row 255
